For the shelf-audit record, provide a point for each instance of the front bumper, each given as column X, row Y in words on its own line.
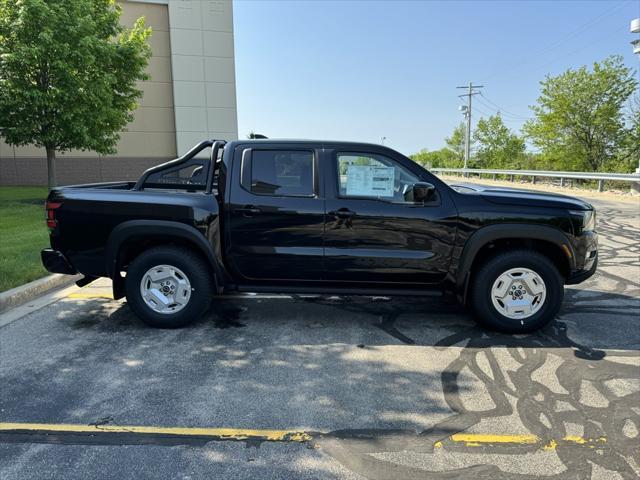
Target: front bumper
column 56, row 262
column 581, row 275
column 585, row 250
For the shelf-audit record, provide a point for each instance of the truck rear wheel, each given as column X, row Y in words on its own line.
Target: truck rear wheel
column 168, row 287
column 518, row 291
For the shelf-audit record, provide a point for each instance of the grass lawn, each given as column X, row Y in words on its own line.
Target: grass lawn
column 23, row 233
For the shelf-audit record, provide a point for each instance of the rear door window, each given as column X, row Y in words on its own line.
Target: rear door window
column 279, row 173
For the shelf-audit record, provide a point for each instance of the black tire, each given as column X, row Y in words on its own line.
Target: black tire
column 191, row 264
column 480, row 295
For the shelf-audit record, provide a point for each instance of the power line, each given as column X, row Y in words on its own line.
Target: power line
column 500, row 109
column 496, row 111
column 584, row 27
column 572, row 52
column 483, row 112
column 515, row 123
column 493, row 109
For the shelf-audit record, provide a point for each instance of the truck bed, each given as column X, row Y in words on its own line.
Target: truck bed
column 89, row 214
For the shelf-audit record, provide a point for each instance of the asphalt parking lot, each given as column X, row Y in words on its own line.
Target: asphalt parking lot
column 330, row 387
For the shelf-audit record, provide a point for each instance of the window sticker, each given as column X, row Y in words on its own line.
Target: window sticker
column 368, row 181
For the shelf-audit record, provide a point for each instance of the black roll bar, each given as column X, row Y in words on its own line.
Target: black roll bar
column 215, row 144
column 215, row 148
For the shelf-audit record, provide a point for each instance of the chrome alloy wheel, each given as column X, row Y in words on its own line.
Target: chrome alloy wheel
column 518, row 293
column 165, row 289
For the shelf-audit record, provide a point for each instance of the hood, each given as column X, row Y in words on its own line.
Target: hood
column 517, row 196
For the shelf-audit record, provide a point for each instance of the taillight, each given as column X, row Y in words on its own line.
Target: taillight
column 51, row 208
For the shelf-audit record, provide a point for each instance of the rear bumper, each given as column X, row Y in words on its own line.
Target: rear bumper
column 56, row 262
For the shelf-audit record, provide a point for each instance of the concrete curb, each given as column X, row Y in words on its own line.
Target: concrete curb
column 29, row 291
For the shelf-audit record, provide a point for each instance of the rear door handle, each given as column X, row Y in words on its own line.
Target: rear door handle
column 248, row 211
column 343, row 213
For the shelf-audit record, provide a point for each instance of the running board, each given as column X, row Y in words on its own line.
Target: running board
column 367, row 292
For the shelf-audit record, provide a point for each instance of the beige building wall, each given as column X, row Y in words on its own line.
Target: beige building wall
column 203, row 63
column 192, row 59
column 152, row 132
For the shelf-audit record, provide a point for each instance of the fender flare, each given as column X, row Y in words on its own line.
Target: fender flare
column 150, row 228
column 510, row 230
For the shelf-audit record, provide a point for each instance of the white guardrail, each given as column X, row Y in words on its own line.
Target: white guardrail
column 533, row 174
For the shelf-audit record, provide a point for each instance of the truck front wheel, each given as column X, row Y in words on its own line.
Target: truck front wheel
column 168, row 287
column 518, row 291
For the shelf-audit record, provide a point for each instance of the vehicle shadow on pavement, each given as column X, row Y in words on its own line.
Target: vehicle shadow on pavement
column 376, row 376
column 428, row 321
column 382, row 379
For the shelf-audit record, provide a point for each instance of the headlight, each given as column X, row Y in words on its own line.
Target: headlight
column 587, row 219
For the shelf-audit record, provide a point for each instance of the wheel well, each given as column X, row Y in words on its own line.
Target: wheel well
column 132, row 247
column 548, row 249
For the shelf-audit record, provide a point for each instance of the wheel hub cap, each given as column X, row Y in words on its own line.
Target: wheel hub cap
column 518, row 293
column 165, row 289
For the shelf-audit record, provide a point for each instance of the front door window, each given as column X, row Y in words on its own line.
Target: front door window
column 374, row 176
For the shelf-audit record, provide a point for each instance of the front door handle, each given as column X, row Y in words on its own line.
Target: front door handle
column 343, row 213
column 248, row 211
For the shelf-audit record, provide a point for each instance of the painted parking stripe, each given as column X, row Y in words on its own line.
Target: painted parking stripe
column 210, row 434
column 483, row 439
column 488, row 438
column 90, row 295
column 134, row 434
column 87, row 295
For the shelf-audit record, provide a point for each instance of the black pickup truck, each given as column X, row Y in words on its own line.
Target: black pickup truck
column 319, row 217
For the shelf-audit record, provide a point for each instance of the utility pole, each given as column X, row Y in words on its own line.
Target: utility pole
column 467, row 113
column 635, row 28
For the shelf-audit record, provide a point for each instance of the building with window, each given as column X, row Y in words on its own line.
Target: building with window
column 191, row 96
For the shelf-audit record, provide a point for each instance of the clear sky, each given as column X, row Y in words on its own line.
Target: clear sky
column 361, row 70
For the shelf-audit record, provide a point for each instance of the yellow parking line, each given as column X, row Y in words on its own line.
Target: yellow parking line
column 582, row 441
column 489, row 438
column 267, row 435
column 213, row 433
column 90, row 295
column 480, row 439
column 244, row 296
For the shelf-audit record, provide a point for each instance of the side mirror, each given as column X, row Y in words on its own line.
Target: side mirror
column 423, row 192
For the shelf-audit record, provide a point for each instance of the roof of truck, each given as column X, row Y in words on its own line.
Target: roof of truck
column 268, row 141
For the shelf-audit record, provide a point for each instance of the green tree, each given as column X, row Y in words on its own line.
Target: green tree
column 497, row 146
column 629, row 158
column 451, row 156
column 68, row 74
column 443, row 158
column 455, row 142
column 579, row 118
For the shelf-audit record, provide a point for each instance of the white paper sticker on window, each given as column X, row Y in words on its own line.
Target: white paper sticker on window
column 368, row 181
